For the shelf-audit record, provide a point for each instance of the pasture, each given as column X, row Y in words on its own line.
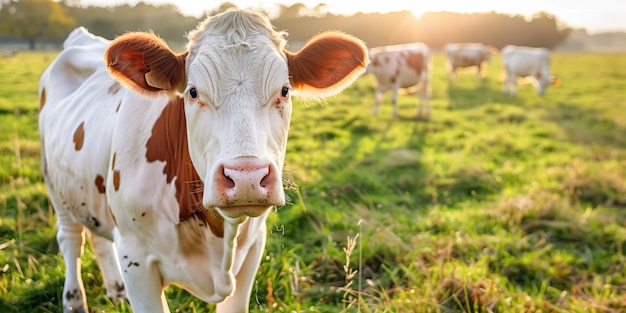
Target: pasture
column 494, row 204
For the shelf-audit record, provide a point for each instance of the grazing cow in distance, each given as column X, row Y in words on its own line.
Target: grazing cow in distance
column 171, row 163
column 401, row 66
column 7, row 54
column 466, row 56
column 527, row 62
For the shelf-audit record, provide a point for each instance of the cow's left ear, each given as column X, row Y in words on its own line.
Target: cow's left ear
column 142, row 61
column 327, row 64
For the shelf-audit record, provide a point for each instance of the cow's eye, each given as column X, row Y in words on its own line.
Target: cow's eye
column 285, row 91
column 193, row 93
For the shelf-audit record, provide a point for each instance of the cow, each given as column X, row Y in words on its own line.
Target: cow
column 467, row 56
column 527, row 62
column 8, row 54
column 171, row 162
column 401, row 66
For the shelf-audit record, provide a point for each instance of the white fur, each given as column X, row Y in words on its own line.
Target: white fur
column 526, row 62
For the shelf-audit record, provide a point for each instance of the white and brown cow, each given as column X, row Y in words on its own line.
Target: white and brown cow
column 171, row 162
column 401, row 66
column 527, row 62
column 467, row 56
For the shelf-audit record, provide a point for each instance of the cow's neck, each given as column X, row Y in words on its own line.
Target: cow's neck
column 168, row 144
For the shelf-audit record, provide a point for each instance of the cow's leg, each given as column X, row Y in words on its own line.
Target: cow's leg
column 513, row 85
column 424, row 98
column 510, row 83
column 105, row 253
column 379, row 98
column 479, row 71
column 70, row 236
column 394, row 101
column 239, row 300
column 506, row 82
column 142, row 279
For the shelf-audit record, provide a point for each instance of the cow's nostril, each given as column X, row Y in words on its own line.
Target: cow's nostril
column 247, row 181
column 229, row 183
column 269, row 180
column 224, row 180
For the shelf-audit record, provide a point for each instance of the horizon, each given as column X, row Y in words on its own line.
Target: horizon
column 603, row 16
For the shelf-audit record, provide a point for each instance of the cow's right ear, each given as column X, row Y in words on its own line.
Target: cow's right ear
column 143, row 62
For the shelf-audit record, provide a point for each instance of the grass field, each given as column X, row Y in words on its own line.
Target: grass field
column 494, row 204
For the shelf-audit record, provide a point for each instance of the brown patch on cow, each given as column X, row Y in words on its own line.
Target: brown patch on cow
column 100, row 184
column 117, row 109
column 538, row 75
column 415, row 61
column 113, row 89
column 376, row 61
column 469, row 61
column 395, row 76
column 113, row 160
column 168, row 144
column 42, row 99
column 79, row 136
column 116, row 180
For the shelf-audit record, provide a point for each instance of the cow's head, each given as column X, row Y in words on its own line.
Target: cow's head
column 236, row 79
column 543, row 81
column 489, row 52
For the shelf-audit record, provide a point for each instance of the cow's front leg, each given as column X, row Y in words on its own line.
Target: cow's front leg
column 378, row 98
column 106, row 256
column 239, row 300
column 424, row 98
column 394, row 101
column 142, row 278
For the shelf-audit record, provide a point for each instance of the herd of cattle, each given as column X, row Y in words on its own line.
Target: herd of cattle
column 410, row 65
column 169, row 164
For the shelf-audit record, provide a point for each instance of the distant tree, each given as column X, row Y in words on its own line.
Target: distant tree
column 71, row 3
column 222, row 8
column 320, row 10
column 293, row 11
column 34, row 19
column 165, row 20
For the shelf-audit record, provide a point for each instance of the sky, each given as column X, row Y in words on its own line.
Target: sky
column 593, row 15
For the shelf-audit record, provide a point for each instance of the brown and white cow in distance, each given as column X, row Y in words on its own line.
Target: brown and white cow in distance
column 527, row 62
column 401, row 66
column 171, row 163
column 467, row 56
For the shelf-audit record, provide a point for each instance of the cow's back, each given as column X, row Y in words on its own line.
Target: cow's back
column 525, row 61
column 78, row 103
column 466, row 54
column 400, row 66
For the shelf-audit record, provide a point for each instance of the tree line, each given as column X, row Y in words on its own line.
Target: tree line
column 36, row 19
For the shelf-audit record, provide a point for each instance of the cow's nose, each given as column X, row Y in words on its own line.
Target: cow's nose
column 247, row 181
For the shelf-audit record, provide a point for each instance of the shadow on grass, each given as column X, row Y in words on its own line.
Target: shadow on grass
column 463, row 95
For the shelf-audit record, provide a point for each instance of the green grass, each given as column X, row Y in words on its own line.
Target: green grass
column 494, row 204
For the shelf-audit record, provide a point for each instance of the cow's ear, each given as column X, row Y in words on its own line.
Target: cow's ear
column 327, row 64
column 142, row 61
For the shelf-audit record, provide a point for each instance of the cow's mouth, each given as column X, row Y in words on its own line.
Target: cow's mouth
column 238, row 211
